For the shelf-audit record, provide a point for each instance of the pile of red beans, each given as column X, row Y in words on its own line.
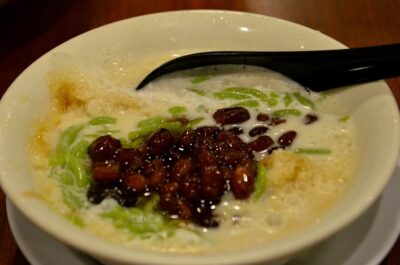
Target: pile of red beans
column 189, row 171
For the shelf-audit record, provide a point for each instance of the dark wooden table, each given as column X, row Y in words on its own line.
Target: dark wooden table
column 29, row 28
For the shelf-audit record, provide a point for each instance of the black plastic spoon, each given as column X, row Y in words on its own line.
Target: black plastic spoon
column 315, row 70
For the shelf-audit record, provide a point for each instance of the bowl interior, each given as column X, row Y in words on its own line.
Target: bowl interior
column 150, row 40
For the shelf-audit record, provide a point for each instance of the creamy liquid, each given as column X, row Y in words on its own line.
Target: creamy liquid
column 300, row 187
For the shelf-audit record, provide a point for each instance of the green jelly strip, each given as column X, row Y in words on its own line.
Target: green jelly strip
column 150, row 125
column 80, row 172
column 200, row 108
column 273, row 99
column 177, row 110
column 151, row 204
column 287, row 99
column 56, row 159
column 76, row 220
column 274, row 95
column 145, row 223
column 247, row 103
column 79, row 150
column 74, row 179
column 137, row 142
column 65, row 177
column 261, row 182
column 103, row 120
column 73, row 170
column 73, row 199
column 153, row 124
column 230, row 95
column 193, row 122
column 287, row 112
column 304, row 100
column 107, row 131
column 69, row 165
column 312, row 151
column 270, row 100
column 124, row 142
column 173, row 126
column 198, row 91
column 200, row 79
column 67, row 137
column 345, row 118
column 249, row 91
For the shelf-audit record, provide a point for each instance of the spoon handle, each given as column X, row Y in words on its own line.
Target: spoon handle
column 316, row 70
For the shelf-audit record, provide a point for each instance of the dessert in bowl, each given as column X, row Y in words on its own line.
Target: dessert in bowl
column 288, row 168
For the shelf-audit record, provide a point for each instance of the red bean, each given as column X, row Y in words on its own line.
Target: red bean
column 188, row 140
column 206, row 143
column 203, row 215
column 231, row 115
column 157, row 177
column 173, row 155
column 135, row 182
column 262, row 117
column 103, row 148
column 156, row 171
column 129, row 159
column 273, row 148
column 171, row 187
column 229, row 139
column 169, row 198
column 287, row 138
column 181, row 168
column 276, row 121
column 190, row 188
column 206, row 158
column 258, row 130
column 236, row 130
column 97, row 192
column 151, row 166
column 160, row 142
column 105, row 171
column 169, row 203
column 233, row 157
column 261, row 143
column 212, row 183
column 184, row 210
column 226, row 173
column 242, row 181
column 208, row 131
column 310, row 118
column 182, row 120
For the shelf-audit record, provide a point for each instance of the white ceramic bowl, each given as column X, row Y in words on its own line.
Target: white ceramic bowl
column 372, row 105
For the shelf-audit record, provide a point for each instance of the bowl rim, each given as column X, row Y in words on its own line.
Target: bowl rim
column 149, row 257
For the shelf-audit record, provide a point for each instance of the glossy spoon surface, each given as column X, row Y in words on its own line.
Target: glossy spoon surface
column 316, row 70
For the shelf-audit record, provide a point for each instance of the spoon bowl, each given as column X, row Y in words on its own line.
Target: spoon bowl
column 316, row 70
